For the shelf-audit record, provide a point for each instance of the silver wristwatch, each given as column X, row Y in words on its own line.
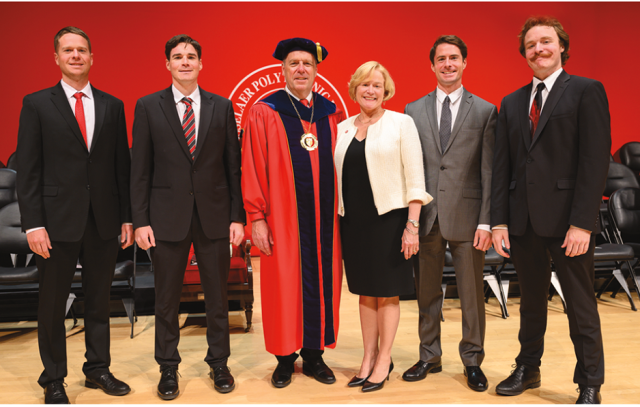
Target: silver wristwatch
column 415, row 223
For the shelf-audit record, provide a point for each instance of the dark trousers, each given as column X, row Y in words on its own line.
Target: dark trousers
column 468, row 264
column 98, row 258
column 310, row 355
column 530, row 254
column 169, row 263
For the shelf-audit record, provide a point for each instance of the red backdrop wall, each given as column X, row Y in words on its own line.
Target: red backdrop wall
column 238, row 38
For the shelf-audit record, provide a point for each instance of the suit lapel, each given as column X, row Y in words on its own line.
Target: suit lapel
column 552, row 100
column 168, row 106
column 101, row 106
column 59, row 99
column 432, row 116
column 466, row 101
column 523, row 112
column 206, row 114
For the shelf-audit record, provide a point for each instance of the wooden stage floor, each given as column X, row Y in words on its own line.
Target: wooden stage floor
column 133, row 362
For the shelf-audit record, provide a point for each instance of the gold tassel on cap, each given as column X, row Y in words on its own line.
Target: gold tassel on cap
column 319, row 48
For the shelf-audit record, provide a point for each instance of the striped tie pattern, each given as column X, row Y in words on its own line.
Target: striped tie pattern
column 445, row 124
column 536, row 107
column 189, row 126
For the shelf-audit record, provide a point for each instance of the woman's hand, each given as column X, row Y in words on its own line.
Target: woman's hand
column 410, row 241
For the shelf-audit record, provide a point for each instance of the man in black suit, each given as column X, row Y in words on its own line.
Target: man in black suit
column 73, row 193
column 185, row 186
column 551, row 159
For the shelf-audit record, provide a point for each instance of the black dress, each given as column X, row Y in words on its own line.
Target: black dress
column 371, row 243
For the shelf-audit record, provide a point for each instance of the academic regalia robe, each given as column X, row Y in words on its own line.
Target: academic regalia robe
column 295, row 190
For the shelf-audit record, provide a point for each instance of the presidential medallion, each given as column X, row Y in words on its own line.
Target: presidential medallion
column 309, row 142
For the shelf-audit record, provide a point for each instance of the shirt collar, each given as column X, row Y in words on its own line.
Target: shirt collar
column 453, row 96
column 69, row 91
column 177, row 95
column 286, row 88
column 548, row 83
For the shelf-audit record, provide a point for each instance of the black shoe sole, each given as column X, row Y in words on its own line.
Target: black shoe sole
column 224, row 390
column 307, row 372
column 418, row 378
column 280, row 385
column 478, row 388
column 517, row 393
column 90, row 385
column 169, row 396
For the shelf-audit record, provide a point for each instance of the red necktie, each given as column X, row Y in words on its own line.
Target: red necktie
column 536, row 106
column 80, row 116
column 189, row 126
column 304, row 102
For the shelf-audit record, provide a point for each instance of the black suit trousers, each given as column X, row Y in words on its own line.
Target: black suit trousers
column 530, row 254
column 98, row 259
column 169, row 263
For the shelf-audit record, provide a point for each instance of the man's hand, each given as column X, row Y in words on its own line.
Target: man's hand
column 482, row 240
column 261, row 235
column 236, row 233
column 39, row 242
column 126, row 236
column 576, row 241
column 499, row 236
column 145, row 237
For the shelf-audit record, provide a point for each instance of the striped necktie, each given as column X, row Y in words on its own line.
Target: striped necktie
column 536, row 107
column 189, row 126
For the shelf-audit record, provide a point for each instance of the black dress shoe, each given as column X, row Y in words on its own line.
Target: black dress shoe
column 476, row 380
column 319, row 370
column 108, row 384
column 370, row 386
column 419, row 370
column 222, row 380
column 522, row 378
column 54, row 393
column 589, row 395
column 282, row 375
column 168, row 388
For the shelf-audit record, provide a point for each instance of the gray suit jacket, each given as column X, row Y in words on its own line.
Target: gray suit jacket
column 459, row 178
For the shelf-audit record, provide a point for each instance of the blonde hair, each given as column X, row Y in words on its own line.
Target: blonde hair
column 364, row 72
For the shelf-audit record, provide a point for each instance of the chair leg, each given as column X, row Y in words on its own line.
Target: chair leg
column 248, row 312
column 604, row 286
column 129, row 307
column 492, row 281
column 70, row 300
column 623, row 283
column 503, row 296
column 556, row 284
column 636, row 280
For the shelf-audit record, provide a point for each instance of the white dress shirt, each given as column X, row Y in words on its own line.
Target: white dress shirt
column 454, row 103
column 548, row 84
column 297, row 98
column 195, row 105
column 88, row 103
column 454, row 106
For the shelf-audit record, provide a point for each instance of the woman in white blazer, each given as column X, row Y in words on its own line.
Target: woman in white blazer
column 381, row 186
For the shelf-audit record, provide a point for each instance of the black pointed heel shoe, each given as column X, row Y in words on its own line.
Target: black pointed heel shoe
column 369, row 386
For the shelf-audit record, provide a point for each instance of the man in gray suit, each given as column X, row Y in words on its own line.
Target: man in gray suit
column 457, row 135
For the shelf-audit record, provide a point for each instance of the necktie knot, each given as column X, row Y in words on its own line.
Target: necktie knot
column 304, row 102
column 447, row 101
column 78, row 95
column 187, row 101
column 540, row 87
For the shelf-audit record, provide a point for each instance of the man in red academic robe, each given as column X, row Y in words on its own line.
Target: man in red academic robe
column 289, row 186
